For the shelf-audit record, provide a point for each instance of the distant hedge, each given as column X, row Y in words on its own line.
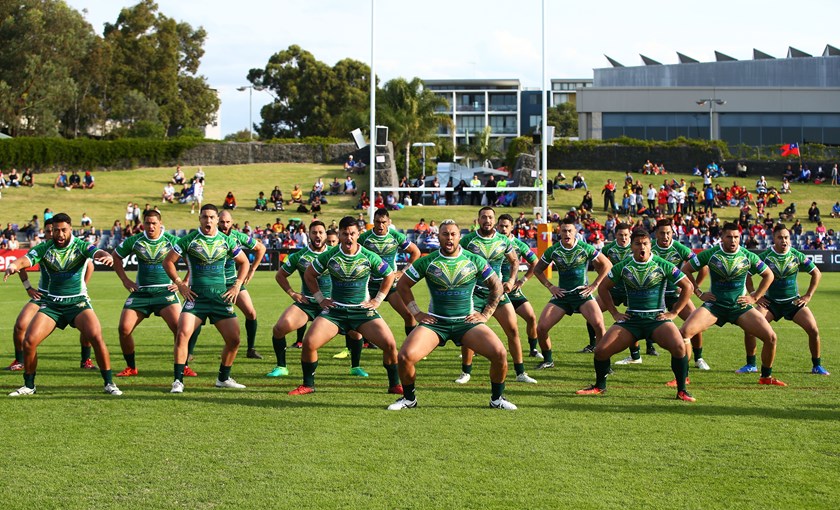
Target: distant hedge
column 48, row 153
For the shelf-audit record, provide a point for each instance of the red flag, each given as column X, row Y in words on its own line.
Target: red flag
column 790, row 149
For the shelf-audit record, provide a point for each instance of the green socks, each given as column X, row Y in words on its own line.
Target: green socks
column 355, row 347
column 816, row 361
column 179, row 371
column 519, row 368
column 467, row 369
column 602, row 370
column 308, row 370
column 29, row 380
column 591, row 331
column 19, row 356
column 635, row 351
column 751, row 360
column 408, row 392
column 85, row 353
column 547, row 356
column 680, row 368
column 496, row 390
column 107, row 376
column 766, row 371
column 224, row 372
column 193, row 340
column 251, row 332
column 393, row 374
column 532, row 344
column 300, row 332
column 698, row 353
column 279, row 345
column 129, row 360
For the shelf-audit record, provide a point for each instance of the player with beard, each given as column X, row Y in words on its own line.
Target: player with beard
column 206, row 252
column 350, row 307
column 65, row 302
column 645, row 278
column 451, row 274
column 728, row 301
column 495, row 247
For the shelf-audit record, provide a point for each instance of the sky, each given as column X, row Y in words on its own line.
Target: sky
column 485, row 39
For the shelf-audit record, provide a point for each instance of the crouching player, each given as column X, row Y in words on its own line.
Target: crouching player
column 645, row 278
column 451, row 274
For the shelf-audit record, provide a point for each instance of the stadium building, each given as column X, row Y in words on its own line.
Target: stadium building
column 763, row 101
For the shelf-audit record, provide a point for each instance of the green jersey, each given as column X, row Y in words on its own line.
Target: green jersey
column 386, row 246
column 616, row 253
column 493, row 249
column 350, row 273
column 451, row 281
column 65, row 267
column 44, row 281
column 571, row 264
column 149, row 254
column 206, row 257
column 244, row 241
column 728, row 272
column 299, row 261
column 524, row 251
column 645, row 283
column 677, row 254
column 785, row 267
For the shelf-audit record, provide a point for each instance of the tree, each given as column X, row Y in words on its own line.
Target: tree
column 564, row 119
column 482, row 147
column 311, row 98
column 410, row 112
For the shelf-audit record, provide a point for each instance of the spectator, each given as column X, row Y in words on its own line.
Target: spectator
column 335, row 187
column 33, row 227
column 391, row 201
column 461, row 192
column 491, row 195
column 364, row 201
column 350, row 164
column 277, row 198
column 785, row 186
column 296, row 195
column 820, row 230
column 609, row 195
column 3, row 182
column 199, row 175
column 449, row 191
column 789, row 213
column 830, row 245
column 168, row 193
column 13, row 244
column 74, row 182
column 300, row 237
column 436, row 192
column 804, row 174
column 761, row 185
column 835, row 177
column 814, row 212
column 28, row 179
column 350, row 186
column 178, row 177
column 197, row 196
column 432, row 241
column 88, row 182
column 421, row 227
column 117, row 232
column 796, row 228
column 319, row 185
column 261, row 203
column 378, row 201
column 316, row 193
column 13, row 180
column 741, row 169
column 835, row 210
column 578, row 181
column 61, row 181
column 86, row 221
column 403, row 184
column 586, row 202
column 278, row 226
column 129, row 214
column 230, row 201
column 475, row 196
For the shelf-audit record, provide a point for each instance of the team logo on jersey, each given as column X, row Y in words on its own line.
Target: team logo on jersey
column 381, row 245
column 491, row 251
column 565, row 260
column 150, row 252
column 729, row 268
column 209, row 250
column 61, row 260
column 449, row 275
column 640, row 278
column 783, row 267
column 349, row 269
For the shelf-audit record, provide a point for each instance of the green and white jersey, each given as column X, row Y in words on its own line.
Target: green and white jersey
column 44, row 281
column 677, row 254
column 244, row 241
column 387, row 246
column 785, row 267
column 645, row 283
column 65, row 267
column 350, row 273
column 299, row 261
column 524, row 251
column 493, row 249
column 451, row 281
column 616, row 253
column 728, row 272
column 206, row 257
column 149, row 254
column 571, row 264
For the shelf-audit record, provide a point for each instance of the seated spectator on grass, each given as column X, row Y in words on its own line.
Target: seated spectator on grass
column 13, row 178
column 804, row 174
column 349, row 186
column 315, row 205
column 814, row 212
column 316, row 193
column 261, row 203
column 61, row 180
column 296, row 195
column 319, row 185
column 789, row 213
column 168, row 193
column 335, row 187
column 75, row 181
column 378, row 201
column 579, row 182
column 3, row 182
column 350, row 164
column 277, row 198
column 391, row 201
column 785, row 187
column 364, row 201
column 178, row 177
column 230, row 201
column 835, row 210
column 199, row 174
column 88, row 181
column 86, row 221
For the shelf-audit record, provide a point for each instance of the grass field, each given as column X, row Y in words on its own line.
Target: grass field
column 114, row 190
column 739, row 446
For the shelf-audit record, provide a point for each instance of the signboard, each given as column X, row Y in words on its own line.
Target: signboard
column 9, row 256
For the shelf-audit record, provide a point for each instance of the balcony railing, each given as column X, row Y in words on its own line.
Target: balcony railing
column 475, row 107
column 502, row 107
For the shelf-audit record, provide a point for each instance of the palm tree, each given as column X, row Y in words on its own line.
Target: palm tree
column 409, row 111
column 482, row 147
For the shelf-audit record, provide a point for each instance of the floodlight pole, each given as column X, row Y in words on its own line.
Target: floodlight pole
column 372, row 144
column 250, row 89
column 544, row 137
column 711, row 102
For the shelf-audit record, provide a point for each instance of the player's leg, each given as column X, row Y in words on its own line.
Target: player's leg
column 526, row 311
column 397, row 304
column 354, row 345
column 668, row 337
column 754, row 323
column 320, row 332
column 696, row 340
column 699, row 321
column 551, row 315
column 594, row 317
column 187, row 325
column 419, row 344
column 27, row 313
column 290, row 320
column 805, row 319
column 378, row 332
column 589, row 348
column 505, row 315
column 129, row 319
column 85, row 350
column 89, row 328
column 482, row 340
column 615, row 340
column 750, row 345
column 229, row 329
column 40, row 328
column 244, row 303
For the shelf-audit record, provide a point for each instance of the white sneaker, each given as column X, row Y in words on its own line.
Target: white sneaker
column 629, row 361
column 111, row 389
column 536, row 354
column 502, row 403
column 701, row 364
column 177, row 387
column 229, row 383
column 524, row 377
column 464, row 379
column 402, row 403
column 23, row 390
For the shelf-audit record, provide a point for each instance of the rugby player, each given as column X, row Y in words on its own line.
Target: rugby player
column 644, row 278
column 65, row 302
column 206, row 251
column 152, row 293
column 573, row 292
column 349, row 307
column 451, row 274
column 495, row 247
column 783, row 301
column 728, row 301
